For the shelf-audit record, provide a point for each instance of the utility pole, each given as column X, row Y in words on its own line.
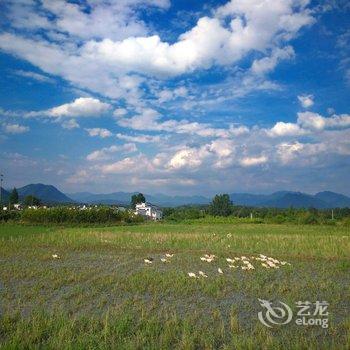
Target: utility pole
column 1, row 179
column 332, row 214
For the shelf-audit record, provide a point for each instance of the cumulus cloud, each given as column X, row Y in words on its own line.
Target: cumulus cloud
column 141, row 138
column 128, row 165
column 252, row 27
column 315, row 121
column 168, row 95
column 80, row 107
column 307, row 122
column 120, row 112
column 253, row 161
column 15, row 128
column 150, row 119
column 285, row 129
column 70, row 124
column 289, row 151
column 91, row 19
column 306, row 100
column 107, row 152
column 101, row 132
column 267, row 64
column 187, row 158
column 99, row 43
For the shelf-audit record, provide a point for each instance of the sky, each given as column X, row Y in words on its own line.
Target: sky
column 179, row 97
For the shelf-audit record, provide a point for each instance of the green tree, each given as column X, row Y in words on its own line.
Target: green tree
column 31, row 200
column 136, row 199
column 221, row 205
column 14, row 196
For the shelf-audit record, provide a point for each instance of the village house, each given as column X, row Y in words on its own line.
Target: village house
column 149, row 211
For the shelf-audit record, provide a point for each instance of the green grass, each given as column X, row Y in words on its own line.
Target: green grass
column 100, row 294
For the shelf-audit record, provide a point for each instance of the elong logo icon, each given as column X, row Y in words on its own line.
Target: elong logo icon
column 274, row 315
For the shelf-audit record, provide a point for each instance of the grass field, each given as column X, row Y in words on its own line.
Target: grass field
column 100, row 294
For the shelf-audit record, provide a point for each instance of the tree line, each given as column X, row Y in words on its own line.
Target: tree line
column 222, row 207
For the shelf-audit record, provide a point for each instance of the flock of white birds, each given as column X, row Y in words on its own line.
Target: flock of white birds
column 242, row 262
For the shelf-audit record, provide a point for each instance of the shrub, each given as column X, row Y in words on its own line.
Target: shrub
column 9, row 215
column 62, row 215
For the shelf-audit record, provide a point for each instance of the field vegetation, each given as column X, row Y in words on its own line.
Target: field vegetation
column 90, row 288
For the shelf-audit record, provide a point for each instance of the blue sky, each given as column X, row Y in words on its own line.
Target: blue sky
column 179, row 97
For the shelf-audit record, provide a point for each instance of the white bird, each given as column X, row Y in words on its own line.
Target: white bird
column 169, row 255
column 232, row 266
column 164, row 260
column 210, row 256
column 148, row 260
column 203, row 258
column 230, row 260
column 192, row 274
column 265, row 265
column 55, row 256
column 220, row 271
column 202, row 274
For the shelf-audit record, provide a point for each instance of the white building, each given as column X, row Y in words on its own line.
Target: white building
column 149, row 210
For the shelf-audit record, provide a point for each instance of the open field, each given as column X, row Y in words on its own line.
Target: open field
column 99, row 293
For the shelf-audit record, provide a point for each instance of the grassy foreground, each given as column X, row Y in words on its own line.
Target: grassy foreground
column 100, row 294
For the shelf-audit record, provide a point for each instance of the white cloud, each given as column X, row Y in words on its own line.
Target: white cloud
column 99, row 49
column 253, row 161
column 267, row 64
column 101, row 132
column 80, row 107
column 93, row 19
column 288, row 151
column 120, row 112
column 150, row 119
column 209, row 42
column 129, row 165
column 105, row 153
column 70, row 124
column 36, row 76
column 139, row 138
column 306, row 100
column 315, row 121
column 285, row 129
column 187, row 158
column 15, row 128
column 167, row 95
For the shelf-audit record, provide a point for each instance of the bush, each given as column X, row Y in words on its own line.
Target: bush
column 183, row 213
column 9, row 215
column 62, row 215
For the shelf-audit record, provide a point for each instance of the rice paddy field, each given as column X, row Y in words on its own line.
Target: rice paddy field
column 146, row 286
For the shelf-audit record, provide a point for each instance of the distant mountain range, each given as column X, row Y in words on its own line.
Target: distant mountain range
column 286, row 199
column 48, row 194
column 282, row 199
column 123, row 198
